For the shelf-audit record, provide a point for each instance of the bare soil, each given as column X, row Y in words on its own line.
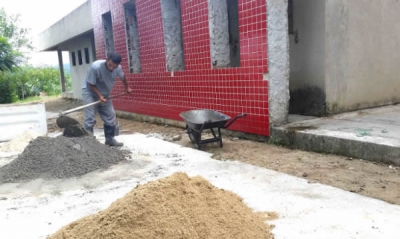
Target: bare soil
column 358, row 176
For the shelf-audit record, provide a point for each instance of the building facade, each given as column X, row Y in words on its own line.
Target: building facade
column 183, row 55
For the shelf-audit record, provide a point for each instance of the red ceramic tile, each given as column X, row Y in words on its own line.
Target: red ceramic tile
column 157, row 93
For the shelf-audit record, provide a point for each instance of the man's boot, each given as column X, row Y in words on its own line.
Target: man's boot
column 109, row 132
column 116, row 129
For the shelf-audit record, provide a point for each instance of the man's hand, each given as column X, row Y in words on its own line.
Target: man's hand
column 127, row 88
column 94, row 88
column 102, row 99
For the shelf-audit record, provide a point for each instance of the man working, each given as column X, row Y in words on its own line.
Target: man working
column 98, row 84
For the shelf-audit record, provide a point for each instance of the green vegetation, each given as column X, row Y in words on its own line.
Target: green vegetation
column 18, row 80
column 27, row 81
column 8, row 56
column 29, row 99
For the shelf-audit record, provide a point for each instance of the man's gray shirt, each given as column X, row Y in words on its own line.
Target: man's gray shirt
column 101, row 77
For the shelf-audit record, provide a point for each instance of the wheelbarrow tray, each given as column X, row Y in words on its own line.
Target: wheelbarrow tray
column 204, row 119
column 199, row 120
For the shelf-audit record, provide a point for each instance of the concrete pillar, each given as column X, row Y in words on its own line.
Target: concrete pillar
column 132, row 37
column 172, row 26
column 278, row 62
column 61, row 65
column 219, row 33
column 108, row 33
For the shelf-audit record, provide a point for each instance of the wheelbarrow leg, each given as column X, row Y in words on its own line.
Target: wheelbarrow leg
column 213, row 133
column 220, row 137
column 197, row 137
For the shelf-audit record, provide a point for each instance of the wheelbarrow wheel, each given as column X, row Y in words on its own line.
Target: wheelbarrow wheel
column 194, row 137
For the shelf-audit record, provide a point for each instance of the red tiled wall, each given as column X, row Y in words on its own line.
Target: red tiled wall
column 231, row 91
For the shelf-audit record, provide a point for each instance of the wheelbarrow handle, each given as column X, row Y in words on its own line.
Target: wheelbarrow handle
column 90, row 104
column 234, row 119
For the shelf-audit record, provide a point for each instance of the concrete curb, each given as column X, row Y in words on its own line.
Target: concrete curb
column 334, row 145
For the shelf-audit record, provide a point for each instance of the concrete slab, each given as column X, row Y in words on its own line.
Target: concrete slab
column 305, row 210
column 372, row 134
column 68, row 95
column 16, row 119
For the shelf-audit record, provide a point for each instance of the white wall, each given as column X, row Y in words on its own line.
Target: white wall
column 363, row 58
column 78, row 72
column 77, row 22
column 307, row 49
column 307, row 58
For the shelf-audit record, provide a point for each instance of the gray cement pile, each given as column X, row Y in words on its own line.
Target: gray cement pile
column 60, row 157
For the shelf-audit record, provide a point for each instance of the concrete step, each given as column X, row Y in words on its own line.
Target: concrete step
column 371, row 134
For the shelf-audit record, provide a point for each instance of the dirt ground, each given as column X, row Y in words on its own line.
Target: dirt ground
column 354, row 175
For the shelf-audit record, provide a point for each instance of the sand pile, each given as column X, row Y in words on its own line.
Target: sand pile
column 19, row 142
column 60, row 157
column 173, row 207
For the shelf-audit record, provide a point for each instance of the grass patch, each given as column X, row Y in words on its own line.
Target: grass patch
column 29, row 99
column 36, row 98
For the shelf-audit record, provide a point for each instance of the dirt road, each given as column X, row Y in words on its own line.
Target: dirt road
column 354, row 175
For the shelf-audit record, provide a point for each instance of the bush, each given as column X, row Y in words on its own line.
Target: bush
column 68, row 82
column 33, row 80
column 7, row 90
column 29, row 81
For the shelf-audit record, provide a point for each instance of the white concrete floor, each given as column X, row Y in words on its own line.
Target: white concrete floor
column 379, row 125
column 38, row 208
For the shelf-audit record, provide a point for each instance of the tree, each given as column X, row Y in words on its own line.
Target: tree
column 18, row 80
column 7, row 88
column 16, row 36
column 9, row 28
column 30, row 81
column 14, row 41
column 8, row 57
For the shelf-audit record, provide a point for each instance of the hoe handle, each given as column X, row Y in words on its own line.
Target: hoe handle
column 90, row 104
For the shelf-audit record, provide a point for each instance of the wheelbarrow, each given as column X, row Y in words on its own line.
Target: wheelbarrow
column 199, row 120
